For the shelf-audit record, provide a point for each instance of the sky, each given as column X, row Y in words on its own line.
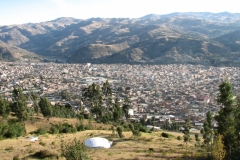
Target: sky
column 34, row 11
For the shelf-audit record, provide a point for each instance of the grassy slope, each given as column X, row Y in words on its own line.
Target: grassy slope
column 126, row 148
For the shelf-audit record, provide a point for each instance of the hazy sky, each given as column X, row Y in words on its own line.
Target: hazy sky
column 25, row 11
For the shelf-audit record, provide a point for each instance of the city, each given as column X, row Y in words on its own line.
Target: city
column 167, row 92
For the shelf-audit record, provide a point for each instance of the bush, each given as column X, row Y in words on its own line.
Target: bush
column 62, row 128
column 44, row 154
column 88, row 127
column 119, row 131
column 179, row 138
column 9, row 148
column 54, row 130
column 41, row 131
column 80, row 127
column 165, row 135
column 16, row 157
column 42, row 143
column 12, row 129
column 74, row 150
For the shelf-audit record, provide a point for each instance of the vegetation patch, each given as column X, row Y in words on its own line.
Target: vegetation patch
column 167, row 135
column 45, row 154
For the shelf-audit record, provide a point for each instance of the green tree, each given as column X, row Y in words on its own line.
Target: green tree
column 106, row 89
column 117, row 111
column 65, row 95
column 34, row 98
column 197, row 139
column 186, row 137
column 126, row 106
column 46, row 107
column 135, row 129
column 97, row 109
column 226, row 118
column 74, row 150
column 80, row 117
column 119, row 132
column 92, row 94
column 207, row 131
column 218, row 149
column 19, row 105
column 237, row 120
column 4, row 108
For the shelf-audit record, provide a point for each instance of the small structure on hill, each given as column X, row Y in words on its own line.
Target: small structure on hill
column 33, row 139
column 98, row 142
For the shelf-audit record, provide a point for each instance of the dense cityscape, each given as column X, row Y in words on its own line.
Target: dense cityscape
column 167, row 92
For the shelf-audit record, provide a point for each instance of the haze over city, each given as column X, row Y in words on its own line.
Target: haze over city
column 28, row 11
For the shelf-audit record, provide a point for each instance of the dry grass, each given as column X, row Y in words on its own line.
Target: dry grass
column 148, row 146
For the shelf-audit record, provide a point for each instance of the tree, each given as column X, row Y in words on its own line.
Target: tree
column 218, row 150
column 135, row 129
column 238, row 124
column 4, row 108
column 19, row 105
column 126, row 106
column 80, row 117
column 106, row 89
column 119, row 132
column 46, row 107
column 92, row 93
column 207, row 130
column 74, row 150
column 197, row 139
column 226, row 118
column 97, row 109
column 186, row 137
column 117, row 111
column 65, row 95
column 34, row 98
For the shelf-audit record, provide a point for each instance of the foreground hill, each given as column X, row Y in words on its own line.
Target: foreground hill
column 147, row 146
column 196, row 38
column 12, row 53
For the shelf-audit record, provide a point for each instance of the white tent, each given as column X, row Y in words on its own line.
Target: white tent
column 33, row 139
column 98, row 142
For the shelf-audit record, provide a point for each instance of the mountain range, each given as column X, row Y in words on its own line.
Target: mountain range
column 188, row 38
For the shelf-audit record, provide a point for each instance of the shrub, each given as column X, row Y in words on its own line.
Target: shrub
column 179, row 138
column 16, row 157
column 165, row 135
column 119, row 131
column 80, row 127
column 41, row 131
column 62, row 128
column 54, row 129
column 74, row 150
column 9, row 148
column 12, row 130
column 164, row 153
column 44, row 154
column 42, row 143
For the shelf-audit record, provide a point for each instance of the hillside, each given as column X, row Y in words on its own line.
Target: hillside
column 12, row 53
column 123, row 148
column 192, row 37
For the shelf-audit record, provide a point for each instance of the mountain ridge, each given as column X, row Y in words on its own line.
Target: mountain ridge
column 102, row 40
column 13, row 53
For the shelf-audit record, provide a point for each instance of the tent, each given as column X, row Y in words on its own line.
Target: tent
column 33, row 139
column 98, row 142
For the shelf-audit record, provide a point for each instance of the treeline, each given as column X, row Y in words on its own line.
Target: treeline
column 18, row 108
column 225, row 141
column 104, row 108
column 222, row 141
